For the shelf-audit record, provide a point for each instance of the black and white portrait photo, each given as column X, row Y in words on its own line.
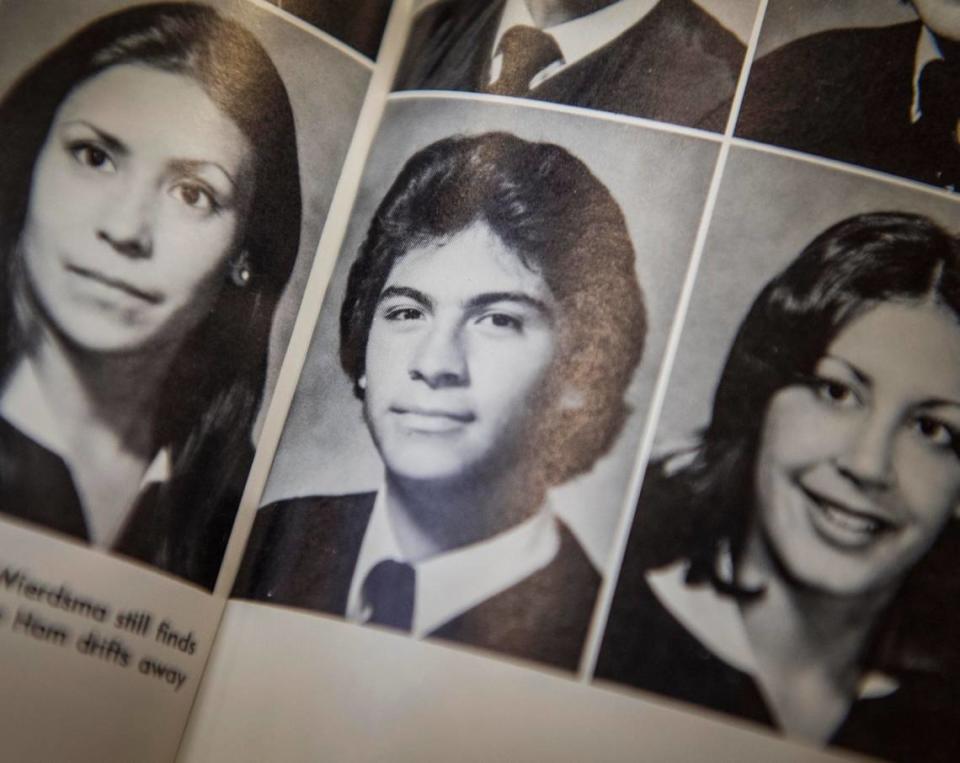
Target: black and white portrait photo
column 154, row 215
column 878, row 85
column 670, row 60
column 793, row 555
column 490, row 330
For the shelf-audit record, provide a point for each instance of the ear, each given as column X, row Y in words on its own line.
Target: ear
column 240, row 273
column 362, row 382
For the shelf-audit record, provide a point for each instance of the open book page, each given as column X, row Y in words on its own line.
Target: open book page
column 629, row 421
column 168, row 172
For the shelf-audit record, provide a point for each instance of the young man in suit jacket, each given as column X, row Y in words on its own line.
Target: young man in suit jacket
column 887, row 98
column 661, row 59
column 491, row 324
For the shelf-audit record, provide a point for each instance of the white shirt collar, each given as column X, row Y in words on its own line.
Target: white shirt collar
column 449, row 584
column 927, row 51
column 23, row 404
column 576, row 38
column 715, row 621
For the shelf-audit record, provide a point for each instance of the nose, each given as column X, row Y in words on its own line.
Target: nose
column 867, row 459
column 440, row 358
column 126, row 220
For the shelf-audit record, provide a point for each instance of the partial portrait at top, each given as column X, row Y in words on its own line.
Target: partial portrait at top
column 357, row 23
column 150, row 225
column 670, row 60
column 872, row 83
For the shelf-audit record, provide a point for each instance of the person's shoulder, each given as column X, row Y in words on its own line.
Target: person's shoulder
column 712, row 36
column 853, row 48
column 816, row 93
column 302, row 549
column 311, row 520
column 314, row 508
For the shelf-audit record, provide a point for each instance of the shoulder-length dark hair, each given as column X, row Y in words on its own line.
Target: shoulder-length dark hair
column 213, row 389
column 704, row 507
column 546, row 206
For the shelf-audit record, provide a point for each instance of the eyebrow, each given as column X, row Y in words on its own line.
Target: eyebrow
column 474, row 303
column 112, row 142
column 518, row 297
column 180, row 165
column 861, row 377
column 939, row 402
column 405, row 291
column 931, row 402
column 192, row 165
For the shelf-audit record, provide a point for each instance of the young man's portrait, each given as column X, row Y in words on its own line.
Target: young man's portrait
column 491, row 324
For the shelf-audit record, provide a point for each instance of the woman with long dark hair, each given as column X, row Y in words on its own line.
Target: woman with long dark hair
column 149, row 220
column 798, row 566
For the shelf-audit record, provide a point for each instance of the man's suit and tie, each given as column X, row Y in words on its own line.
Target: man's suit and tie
column 303, row 553
column 677, row 64
column 855, row 95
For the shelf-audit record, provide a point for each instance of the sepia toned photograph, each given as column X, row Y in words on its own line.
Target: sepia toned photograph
column 792, row 559
column 157, row 216
column 871, row 82
column 671, row 60
column 455, row 460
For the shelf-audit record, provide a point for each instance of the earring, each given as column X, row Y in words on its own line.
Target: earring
column 240, row 273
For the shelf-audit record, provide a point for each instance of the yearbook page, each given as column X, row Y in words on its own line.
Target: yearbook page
column 169, row 169
column 627, row 425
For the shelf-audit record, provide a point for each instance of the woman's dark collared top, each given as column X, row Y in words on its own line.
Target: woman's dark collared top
column 646, row 646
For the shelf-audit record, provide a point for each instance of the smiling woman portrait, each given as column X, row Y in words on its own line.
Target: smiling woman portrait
column 149, row 220
column 798, row 566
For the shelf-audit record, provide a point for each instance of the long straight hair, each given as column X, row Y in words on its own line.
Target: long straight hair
column 213, row 388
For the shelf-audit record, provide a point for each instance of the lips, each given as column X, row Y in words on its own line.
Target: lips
column 844, row 525
column 432, row 420
column 150, row 297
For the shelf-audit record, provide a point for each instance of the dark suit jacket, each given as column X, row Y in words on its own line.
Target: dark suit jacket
column 843, row 94
column 302, row 553
column 676, row 65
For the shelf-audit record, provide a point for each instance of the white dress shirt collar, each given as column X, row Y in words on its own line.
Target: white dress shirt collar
column 23, row 404
column 716, row 622
column 927, row 51
column 576, row 38
column 449, row 584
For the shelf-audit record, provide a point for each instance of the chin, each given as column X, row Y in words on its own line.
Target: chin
column 110, row 337
column 428, row 470
column 832, row 574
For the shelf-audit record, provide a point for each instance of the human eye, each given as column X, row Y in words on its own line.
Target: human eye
column 835, row 392
column 402, row 313
column 88, row 154
column 195, row 196
column 937, row 433
column 500, row 321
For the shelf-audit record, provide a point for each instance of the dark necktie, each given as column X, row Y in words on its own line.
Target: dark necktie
column 937, row 127
column 526, row 51
column 388, row 591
